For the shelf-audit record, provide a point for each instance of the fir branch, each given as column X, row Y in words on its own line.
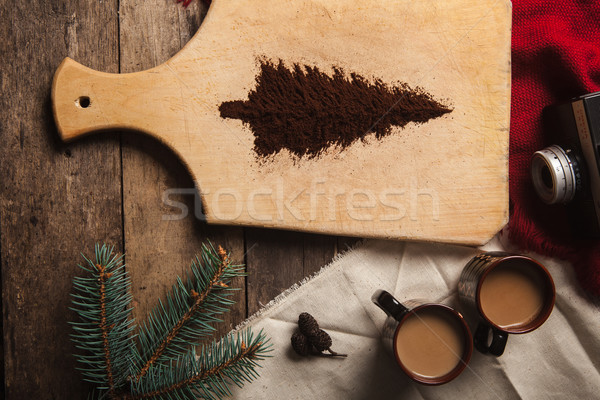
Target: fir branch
column 191, row 308
column 103, row 326
column 105, row 333
column 104, row 330
column 233, row 360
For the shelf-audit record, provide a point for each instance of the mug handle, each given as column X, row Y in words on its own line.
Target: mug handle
column 389, row 304
column 480, row 340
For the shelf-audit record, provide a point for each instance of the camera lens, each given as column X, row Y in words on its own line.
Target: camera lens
column 546, row 177
column 554, row 172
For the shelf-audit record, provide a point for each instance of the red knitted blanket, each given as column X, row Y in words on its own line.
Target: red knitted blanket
column 555, row 56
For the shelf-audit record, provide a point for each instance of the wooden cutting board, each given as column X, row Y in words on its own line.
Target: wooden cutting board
column 445, row 180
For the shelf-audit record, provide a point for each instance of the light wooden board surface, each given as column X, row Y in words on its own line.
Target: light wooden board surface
column 447, row 179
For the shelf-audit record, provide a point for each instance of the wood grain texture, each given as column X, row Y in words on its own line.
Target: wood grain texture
column 274, row 260
column 56, row 200
column 445, row 180
column 160, row 245
column 278, row 259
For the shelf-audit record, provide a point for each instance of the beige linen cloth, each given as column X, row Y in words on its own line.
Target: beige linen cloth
column 559, row 360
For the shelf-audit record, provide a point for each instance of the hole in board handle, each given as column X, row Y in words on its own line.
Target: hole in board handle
column 83, row 102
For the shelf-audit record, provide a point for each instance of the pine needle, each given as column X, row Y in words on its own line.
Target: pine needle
column 104, row 330
column 164, row 365
column 190, row 309
column 209, row 374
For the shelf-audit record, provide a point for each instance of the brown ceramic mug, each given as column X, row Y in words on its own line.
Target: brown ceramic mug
column 431, row 342
column 508, row 294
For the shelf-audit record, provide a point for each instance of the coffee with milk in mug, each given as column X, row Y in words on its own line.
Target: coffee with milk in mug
column 430, row 342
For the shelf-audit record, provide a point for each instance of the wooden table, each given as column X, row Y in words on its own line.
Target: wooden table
column 57, row 200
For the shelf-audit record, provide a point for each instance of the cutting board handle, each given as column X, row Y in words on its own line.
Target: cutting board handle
column 85, row 100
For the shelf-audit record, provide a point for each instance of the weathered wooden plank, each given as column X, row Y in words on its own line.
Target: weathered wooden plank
column 278, row 259
column 56, row 200
column 318, row 252
column 274, row 263
column 345, row 242
column 159, row 245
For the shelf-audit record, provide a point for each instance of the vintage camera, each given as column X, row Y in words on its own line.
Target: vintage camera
column 568, row 172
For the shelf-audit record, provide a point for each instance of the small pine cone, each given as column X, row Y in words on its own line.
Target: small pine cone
column 321, row 341
column 308, row 325
column 300, row 344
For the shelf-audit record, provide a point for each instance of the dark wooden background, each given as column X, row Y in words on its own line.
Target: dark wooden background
column 57, row 200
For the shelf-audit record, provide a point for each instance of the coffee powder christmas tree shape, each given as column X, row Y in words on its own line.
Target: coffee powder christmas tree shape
column 306, row 111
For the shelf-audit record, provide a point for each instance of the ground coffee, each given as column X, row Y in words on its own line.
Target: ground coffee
column 306, row 111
